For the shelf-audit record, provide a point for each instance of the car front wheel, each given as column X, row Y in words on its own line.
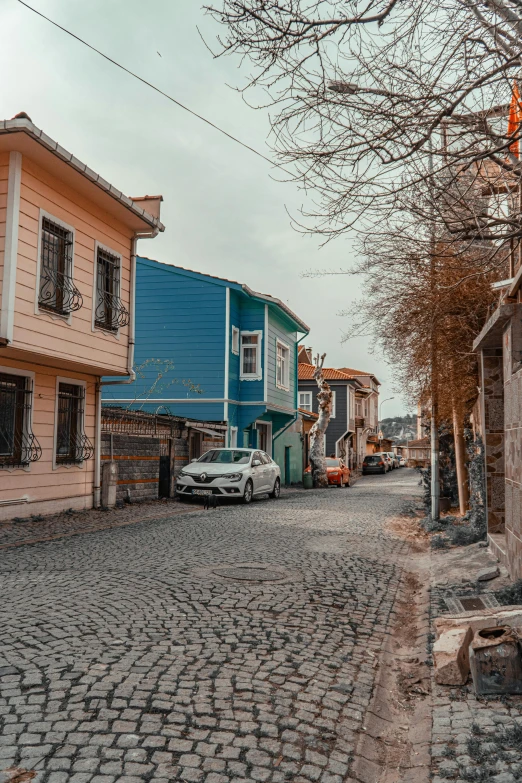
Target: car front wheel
column 276, row 491
column 249, row 491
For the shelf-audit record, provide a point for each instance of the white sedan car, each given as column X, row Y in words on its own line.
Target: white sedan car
column 240, row 473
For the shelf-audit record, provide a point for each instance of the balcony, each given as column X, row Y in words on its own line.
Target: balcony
column 110, row 313
column 58, row 292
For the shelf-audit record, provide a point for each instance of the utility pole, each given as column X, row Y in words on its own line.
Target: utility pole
column 434, row 431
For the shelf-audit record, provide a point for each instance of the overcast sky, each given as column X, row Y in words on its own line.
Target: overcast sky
column 223, row 210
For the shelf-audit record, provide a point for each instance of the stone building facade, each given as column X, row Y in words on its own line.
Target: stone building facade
column 498, row 418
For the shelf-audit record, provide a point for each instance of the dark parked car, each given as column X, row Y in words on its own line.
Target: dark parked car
column 375, row 463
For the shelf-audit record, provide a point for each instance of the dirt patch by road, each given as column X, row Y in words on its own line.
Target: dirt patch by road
column 409, row 529
column 396, row 744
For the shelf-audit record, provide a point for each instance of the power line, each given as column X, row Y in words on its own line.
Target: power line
column 153, row 87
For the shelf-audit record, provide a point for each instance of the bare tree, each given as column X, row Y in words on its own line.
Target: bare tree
column 318, row 431
column 369, row 99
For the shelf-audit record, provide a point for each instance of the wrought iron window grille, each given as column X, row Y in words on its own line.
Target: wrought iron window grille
column 72, row 444
column 18, row 445
column 110, row 313
column 57, row 290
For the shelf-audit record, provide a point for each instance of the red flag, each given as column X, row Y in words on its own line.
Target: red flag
column 515, row 120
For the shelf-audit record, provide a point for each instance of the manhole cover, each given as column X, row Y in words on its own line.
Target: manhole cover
column 249, row 573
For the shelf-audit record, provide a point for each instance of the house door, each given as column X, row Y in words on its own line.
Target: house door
column 262, row 437
column 164, row 469
column 287, row 465
column 195, row 442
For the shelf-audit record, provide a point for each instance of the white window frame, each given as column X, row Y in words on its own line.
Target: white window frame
column 309, row 395
column 74, row 381
column 67, row 319
column 334, row 399
column 285, row 385
column 235, row 341
column 258, row 375
column 28, row 425
column 94, row 328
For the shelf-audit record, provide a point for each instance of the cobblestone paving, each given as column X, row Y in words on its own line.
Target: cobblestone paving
column 32, row 529
column 124, row 657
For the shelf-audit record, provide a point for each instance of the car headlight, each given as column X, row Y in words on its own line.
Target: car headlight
column 234, row 476
column 183, row 473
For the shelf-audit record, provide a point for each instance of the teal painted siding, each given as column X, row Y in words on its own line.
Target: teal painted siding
column 181, row 319
column 293, row 441
column 233, row 359
column 252, row 315
column 280, row 328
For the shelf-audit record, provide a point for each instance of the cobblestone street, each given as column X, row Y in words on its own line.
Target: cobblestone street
column 225, row 645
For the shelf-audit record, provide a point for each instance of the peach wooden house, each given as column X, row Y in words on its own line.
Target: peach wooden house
column 67, row 275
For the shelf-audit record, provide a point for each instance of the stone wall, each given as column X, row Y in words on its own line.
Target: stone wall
column 138, row 460
column 512, row 348
column 138, row 464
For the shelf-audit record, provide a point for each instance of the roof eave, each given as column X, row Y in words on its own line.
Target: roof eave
column 28, row 127
column 302, row 327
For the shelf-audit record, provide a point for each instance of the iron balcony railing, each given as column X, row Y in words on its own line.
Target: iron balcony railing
column 110, row 313
column 72, row 444
column 58, row 293
column 18, row 445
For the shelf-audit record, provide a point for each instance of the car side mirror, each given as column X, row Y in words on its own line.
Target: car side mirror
column 255, row 463
column 194, row 460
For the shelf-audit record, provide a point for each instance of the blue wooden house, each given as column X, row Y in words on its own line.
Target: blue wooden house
column 211, row 349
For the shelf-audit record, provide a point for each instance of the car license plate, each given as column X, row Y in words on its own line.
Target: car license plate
column 201, row 491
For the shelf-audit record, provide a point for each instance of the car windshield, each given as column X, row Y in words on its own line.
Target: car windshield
column 227, row 456
column 332, row 463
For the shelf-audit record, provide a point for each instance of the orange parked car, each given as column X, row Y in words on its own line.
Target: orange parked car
column 338, row 472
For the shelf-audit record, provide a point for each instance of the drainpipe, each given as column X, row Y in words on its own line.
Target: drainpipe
column 130, row 363
column 97, row 448
column 296, row 387
column 132, row 316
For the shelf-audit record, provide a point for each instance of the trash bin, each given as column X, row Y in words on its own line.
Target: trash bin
column 308, row 482
column 495, row 661
column 444, row 504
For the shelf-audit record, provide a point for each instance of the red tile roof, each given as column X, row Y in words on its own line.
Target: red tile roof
column 349, row 371
column 423, row 442
column 309, row 414
column 306, row 373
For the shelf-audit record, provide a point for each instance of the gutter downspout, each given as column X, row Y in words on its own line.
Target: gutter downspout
column 130, row 364
column 97, row 447
column 296, row 400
